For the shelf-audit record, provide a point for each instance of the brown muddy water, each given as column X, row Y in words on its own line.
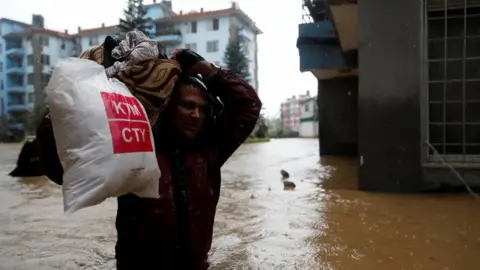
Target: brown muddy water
column 323, row 224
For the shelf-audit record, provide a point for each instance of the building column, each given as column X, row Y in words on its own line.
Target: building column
column 337, row 114
column 389, row 98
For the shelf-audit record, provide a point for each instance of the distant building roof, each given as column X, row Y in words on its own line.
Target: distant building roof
column 97, row 30
column 233, row 10
column 303, row 101
column 162, row 4
column 31, row 29
column 14, row 21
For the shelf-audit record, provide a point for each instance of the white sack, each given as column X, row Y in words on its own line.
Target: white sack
column 102, row 134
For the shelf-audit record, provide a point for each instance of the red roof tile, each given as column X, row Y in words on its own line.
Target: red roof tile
column 199, row 15
column 92, row 31
column 181, row 17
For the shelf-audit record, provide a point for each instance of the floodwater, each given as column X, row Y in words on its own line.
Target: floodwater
column 323, row 224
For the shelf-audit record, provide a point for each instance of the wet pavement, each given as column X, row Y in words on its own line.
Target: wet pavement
column 323, row 224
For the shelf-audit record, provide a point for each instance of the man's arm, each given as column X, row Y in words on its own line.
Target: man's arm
column 242, row 110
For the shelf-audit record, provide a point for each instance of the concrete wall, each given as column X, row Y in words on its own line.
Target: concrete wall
column 337, row 114
column 308, row 118
column 308, row 129
column 389, row 95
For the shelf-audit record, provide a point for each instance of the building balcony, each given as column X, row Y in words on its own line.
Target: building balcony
column 17, row 107
column 16, row 89
column 319, row 47
column 169, row 37
column 16, row 70
column 323, row 50
column 15, row 52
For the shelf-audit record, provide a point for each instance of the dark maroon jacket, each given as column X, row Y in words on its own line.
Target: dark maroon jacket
column 175, row 231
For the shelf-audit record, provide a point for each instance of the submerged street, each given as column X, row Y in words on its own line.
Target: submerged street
column 324, row 223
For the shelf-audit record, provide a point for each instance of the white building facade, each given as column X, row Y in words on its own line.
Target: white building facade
column 308, row 118
column 206, row 32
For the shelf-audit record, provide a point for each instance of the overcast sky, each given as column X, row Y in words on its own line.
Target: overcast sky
column 279, row 75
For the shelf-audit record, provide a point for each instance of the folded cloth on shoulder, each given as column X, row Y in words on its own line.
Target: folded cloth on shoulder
column 136, row 63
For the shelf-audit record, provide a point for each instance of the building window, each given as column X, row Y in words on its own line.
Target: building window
column 29, row 59
column 1, row 66
column 93, row 41
column 306, row 108
column 30, row 97
column 453, row 83
column 45, row 59
column 214, row 25
column 212, row 46
column 62, row 46
column 30, row 78
column 44, row 41
column 192, row 27
column 246, row 43
column 191, row 46
column 1, row 84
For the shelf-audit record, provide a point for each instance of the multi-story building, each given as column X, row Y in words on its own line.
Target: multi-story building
column 28, row 53
column 290, row 114
column 308, row 118
column 409, row 110
column 206, row 32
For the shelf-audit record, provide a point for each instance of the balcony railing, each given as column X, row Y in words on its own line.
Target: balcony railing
column 17, row 107
column 171, row 36
column 16, row 89
column 15, row 52
column 16, row 70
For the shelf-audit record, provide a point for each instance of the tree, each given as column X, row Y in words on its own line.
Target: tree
column 134, row 19
column 235, row 57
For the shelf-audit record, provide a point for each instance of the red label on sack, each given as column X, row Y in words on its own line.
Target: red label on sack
column 128, row 124
column 122, row 107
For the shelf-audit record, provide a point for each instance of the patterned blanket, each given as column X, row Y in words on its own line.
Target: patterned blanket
column 150, row 79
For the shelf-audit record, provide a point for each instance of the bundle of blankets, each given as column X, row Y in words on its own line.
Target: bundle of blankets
column 140, row 64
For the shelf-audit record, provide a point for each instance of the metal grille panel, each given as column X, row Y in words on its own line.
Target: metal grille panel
column 453, row 79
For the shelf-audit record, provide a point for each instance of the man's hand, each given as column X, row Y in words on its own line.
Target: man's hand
column 192, row 63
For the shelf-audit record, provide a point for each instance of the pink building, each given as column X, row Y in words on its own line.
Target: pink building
column 290, row 113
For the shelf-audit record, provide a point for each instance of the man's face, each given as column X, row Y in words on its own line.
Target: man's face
column 188, row 111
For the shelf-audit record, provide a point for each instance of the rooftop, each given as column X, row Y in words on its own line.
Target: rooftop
column 31, row 29
column 233, row 10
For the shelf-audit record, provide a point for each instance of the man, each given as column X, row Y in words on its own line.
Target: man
column 193, row 141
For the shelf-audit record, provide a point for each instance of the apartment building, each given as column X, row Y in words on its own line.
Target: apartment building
column 28, row 53
column 291, row 114
column 308, row 127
